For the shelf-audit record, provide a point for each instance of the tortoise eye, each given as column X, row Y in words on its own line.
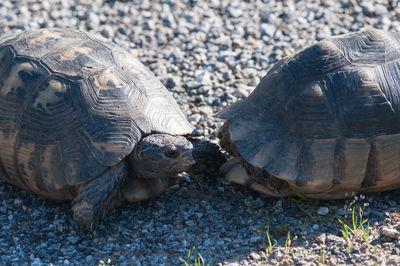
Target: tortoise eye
column 171, row 153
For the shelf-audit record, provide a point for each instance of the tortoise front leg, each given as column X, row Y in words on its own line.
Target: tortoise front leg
column 97, row 197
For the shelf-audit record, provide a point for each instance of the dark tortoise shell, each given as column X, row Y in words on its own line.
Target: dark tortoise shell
column 73, row 105
column 326, row 121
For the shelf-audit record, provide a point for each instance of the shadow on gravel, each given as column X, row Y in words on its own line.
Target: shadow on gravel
column 224, row 222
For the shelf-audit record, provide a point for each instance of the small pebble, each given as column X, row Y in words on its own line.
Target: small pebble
column 323, row 211
column 255, row 256
column 321, row 238
column 37, row 262
column 255, row 239
column 18, row 203
column 390, row 232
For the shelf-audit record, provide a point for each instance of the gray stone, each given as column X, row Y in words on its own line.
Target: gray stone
column 18, row 203
column 323, row 211
column 267, row 29
column 255, row 239
column 37, row 262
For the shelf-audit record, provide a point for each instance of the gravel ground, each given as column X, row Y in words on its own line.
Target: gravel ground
column 209, row 54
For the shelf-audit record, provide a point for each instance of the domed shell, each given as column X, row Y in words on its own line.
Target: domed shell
column 72, row 105
column 327, row 118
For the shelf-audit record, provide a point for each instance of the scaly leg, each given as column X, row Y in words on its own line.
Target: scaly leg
column 97, row 197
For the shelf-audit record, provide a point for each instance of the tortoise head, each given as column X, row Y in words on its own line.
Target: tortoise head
column 161, row 155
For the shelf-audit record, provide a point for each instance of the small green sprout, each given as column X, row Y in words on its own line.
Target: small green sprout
column 199, row 261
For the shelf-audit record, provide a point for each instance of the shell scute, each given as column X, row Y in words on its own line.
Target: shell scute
column 79, row 59
column 52, row 111
column 6, row 58
column 388, row 152
column 38, row 43
column 20, row 79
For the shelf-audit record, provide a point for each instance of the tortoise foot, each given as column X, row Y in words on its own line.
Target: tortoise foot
column 235, row 172
column 97, row 197
column 84, row 217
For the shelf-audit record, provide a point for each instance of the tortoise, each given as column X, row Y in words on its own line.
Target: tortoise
column 323, row 123
column 83, row 120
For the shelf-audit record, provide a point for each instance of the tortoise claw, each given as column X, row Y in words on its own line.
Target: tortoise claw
column 235, row 172
column 85, row 217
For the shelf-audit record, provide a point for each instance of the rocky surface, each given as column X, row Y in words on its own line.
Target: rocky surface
column 209, row 54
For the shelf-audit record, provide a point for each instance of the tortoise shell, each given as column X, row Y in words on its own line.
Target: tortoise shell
column 326, row 120
column 73, row 105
